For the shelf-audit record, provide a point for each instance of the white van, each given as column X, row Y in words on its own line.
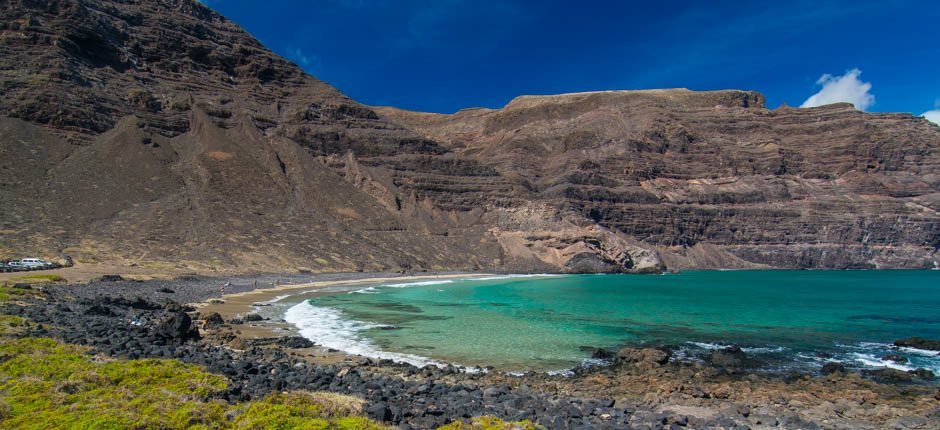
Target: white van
column 35, row 263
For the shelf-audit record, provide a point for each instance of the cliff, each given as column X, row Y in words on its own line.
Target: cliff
column 160, row 134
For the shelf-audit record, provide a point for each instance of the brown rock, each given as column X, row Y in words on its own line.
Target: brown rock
column 643, row 355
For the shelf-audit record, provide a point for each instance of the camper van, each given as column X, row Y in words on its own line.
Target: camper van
column 35, row 264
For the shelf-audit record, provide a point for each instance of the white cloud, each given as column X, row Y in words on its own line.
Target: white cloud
column 299, row 56
column 932, row 116
column 846, row 88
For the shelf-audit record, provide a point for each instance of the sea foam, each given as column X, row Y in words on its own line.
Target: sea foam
column 328, row 327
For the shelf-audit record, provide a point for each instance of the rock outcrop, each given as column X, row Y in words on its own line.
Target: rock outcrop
column 160, row 134
column 714, row 179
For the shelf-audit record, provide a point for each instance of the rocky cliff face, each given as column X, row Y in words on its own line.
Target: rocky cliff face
column 158, row 133
column 714, row 179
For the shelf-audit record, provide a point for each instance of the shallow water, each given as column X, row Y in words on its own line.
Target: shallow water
column 788, row 319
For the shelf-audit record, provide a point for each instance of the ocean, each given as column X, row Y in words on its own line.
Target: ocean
column 786, row 319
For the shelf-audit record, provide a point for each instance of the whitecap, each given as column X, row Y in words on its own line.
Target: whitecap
column 501, row 277
column 328, row 327
column 763, row 349
column 917, row 351
column 706, row 345
column 873, row 361
column 418, row 284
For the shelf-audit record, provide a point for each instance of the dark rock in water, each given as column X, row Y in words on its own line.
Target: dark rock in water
column 921, row 373
column 166, row 290
column 177, row 325
column 252, row 318
column 832, row 367
column 213, row 319
column 603, row 354
column 643, row 355
column 919, row 343
column 889, row 376
column 110, row 278
column 731, row 357
column 897, row 358
column 295, row 342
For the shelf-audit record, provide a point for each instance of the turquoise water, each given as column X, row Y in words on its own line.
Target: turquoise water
column 786, row 318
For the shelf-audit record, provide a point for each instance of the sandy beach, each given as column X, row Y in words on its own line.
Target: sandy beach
column 241, row 303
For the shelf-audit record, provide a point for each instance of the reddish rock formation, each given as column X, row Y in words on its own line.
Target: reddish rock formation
column 714, row 179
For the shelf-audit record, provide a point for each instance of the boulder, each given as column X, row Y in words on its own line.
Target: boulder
column 177, row 325
column 889, row 376
column 603, row 354
column 730, row 357
column 295, row 342
column 379, row 412
column 99, row 309
column 213, row 319
column 832, row 367
column 643, row 355
column 921, row 373
column 252, row 318
column 897, row 358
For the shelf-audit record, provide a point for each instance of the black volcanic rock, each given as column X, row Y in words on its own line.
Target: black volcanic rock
column 919, row 343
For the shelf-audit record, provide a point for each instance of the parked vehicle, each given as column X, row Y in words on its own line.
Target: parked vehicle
column 15, row 266
column 32, row 263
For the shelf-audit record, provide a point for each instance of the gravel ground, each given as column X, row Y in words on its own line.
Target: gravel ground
column 195, row 289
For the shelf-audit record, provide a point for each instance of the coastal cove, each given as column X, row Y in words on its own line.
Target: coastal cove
column 785, row 320
column 260, row 354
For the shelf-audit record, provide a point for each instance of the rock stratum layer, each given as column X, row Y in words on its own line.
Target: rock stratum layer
column 158, row 133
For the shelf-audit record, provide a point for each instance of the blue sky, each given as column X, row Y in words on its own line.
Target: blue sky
column 444, row 55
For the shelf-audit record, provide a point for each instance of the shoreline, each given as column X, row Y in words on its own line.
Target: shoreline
column 638, row 390
column 231, row 303
column 238, row 305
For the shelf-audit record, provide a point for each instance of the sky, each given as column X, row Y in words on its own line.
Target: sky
column 445, row 55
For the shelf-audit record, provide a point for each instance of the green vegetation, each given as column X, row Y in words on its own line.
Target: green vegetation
column 48, row 385
column 305, row 411
column 491, row 423
column 10, row 325
column 8, row 293
column 37, row 279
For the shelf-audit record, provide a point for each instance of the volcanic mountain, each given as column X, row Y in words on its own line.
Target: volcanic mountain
column 157, row 133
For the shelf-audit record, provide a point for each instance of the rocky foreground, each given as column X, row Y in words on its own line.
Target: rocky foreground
column 641, row 388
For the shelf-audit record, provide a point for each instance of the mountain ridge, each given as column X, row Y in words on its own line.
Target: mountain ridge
column 160, row 134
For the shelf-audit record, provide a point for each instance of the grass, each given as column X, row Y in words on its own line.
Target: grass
column 491, row 423
column 48, row 385
column 45, row 384
column 8, row 293
column 36, row 279
column 11, row 325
